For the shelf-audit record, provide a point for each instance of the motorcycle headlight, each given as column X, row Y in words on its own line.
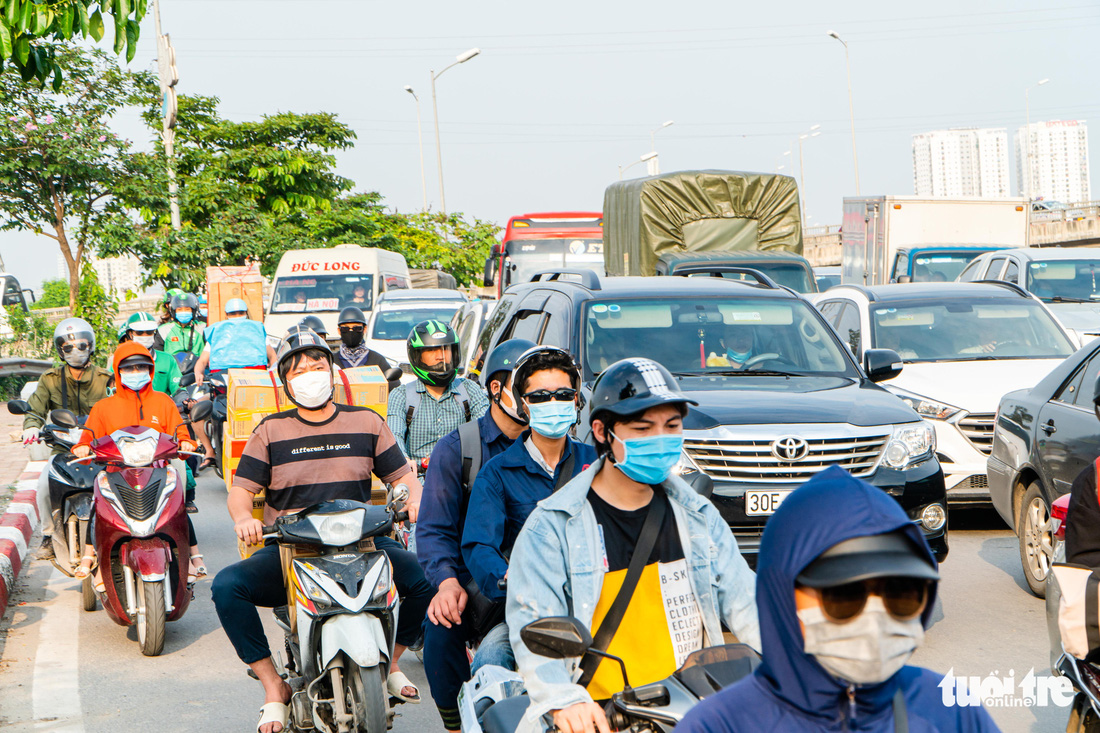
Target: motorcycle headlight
column 926, row 407
column 313, row 591
column 910, row 444
column 137, row 452
column 342, row 528
column 385, row 580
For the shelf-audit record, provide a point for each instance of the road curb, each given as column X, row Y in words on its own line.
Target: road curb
column 17, row 525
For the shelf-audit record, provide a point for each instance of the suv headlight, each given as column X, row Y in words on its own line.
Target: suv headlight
column 926, row 407
column 910, row 444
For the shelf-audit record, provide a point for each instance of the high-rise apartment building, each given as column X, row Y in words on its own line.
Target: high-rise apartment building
column 116, row 274
column 1056, row 163
column 961, row 162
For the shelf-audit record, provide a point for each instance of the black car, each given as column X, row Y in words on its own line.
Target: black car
column 1043, row 437
column 799, row 404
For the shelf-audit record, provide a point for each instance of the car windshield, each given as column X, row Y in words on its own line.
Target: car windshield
column 793, row 275
column 1065, row 279
column 713, row 335
column 970, row 329
column 321, row 293
column 940, row 268
column 526, row 257
column 395, row 325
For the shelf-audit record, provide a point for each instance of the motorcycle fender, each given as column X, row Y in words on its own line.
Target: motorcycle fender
column 148, row 558
column 359, row 636
column 80, row 505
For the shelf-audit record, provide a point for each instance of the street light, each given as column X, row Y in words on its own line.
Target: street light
column 420, row 138
column 1027, row 141
column 648, row 156
column 851, row 113
column 655, row 167
column 814, row 131
column 460, row 59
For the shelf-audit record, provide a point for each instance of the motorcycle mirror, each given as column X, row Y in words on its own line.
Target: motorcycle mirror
column 202, row 410
column 400, row 494
column 393, row 375
column 19, row 407
column 187, row 379
column 63, row 418
column 557, row 637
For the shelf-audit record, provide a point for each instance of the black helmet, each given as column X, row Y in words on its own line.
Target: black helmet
column 296, row 340
column 537, row 359
column 145, row 359
column 503, row 358
column 634, row 385
column 184, row 300
column 351, row 314
column 315, row 324
column 430, row 335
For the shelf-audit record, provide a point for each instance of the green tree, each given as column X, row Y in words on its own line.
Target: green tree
column 55, row 294
column 60, row 164
column 29, row 27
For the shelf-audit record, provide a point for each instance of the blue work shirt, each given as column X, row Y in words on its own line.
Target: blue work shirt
column 443, row 505
column 504, row 494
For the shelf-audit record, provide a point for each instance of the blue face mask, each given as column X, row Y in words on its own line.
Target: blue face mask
column 184, row 318
column 650, row 460
column 552, row 419
column 739, row 358
column 135, row 380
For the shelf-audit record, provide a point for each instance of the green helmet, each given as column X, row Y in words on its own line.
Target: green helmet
column 431, row 335
column 169, row 294
column 140, row 321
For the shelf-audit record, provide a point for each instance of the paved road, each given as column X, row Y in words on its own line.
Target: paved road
column 90, row 676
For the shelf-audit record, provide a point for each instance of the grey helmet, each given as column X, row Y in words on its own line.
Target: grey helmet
column 70, row 334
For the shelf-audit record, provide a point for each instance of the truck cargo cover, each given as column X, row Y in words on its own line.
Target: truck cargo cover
column 697, row 211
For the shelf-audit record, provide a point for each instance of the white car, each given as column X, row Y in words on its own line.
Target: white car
column 964, row 346
column 397, row 311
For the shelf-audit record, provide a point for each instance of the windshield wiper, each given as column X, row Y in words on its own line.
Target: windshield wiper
column 1067, row 299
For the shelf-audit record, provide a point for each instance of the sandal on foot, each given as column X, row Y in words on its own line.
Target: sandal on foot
column 207, row 462
column 200, row 569
column 84, row 569
column 397, row 682
column 273, row 712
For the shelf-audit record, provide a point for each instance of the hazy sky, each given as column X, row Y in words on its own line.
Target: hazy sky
column 564, row 93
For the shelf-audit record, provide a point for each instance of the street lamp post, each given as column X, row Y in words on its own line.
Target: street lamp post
column 648, row 156
column 420, row 139
column 654, row 166
column 814, row 131
column 460, row 59
column 851, row 112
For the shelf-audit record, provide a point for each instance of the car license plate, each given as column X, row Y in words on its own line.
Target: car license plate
column 761, row 502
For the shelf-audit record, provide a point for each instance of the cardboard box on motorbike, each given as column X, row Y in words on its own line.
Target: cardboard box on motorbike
column 253, row 394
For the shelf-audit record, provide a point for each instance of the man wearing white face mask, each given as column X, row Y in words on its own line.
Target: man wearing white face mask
column 845, row 587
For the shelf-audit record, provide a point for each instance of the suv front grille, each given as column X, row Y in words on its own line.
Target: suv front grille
column 978, row 429
column 752, row 461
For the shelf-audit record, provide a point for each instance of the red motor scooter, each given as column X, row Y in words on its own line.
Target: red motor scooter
column 141, row 534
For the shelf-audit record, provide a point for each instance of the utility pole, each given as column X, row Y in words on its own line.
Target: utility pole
column 420, row 137
column 169, row 77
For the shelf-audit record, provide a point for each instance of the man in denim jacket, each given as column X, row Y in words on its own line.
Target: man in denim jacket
column 571, row 556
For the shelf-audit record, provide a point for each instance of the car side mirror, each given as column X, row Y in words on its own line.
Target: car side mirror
column 881, row 364
column 187, row 379
column 202, row 410
column 557, row 637
column 487, row 277
column 63, row 418
column 19, row 407
column 904, row 279
column 393, row 374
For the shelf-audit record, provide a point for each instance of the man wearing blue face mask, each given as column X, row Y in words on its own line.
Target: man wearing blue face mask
column 545, row 384
column 576, row 556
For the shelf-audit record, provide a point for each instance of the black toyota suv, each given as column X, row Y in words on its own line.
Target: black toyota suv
column 799, row 404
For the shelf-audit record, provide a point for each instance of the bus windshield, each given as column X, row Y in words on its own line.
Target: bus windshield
column 318, row 293
column 525, row 257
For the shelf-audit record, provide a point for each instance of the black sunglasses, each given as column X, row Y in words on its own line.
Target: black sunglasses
column 351, row 329
column 904, row 598
column 81, row 346
column 565, row 394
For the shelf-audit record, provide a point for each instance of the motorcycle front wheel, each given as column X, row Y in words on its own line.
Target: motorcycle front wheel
column 365, row 692
column 150, row 625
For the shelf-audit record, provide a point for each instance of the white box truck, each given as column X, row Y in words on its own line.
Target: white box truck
column 889, row 239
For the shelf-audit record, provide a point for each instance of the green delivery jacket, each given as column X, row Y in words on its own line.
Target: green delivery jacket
column 78, row 395
column 166, row 373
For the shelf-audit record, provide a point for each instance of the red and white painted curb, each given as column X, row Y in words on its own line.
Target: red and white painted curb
column 17, row 525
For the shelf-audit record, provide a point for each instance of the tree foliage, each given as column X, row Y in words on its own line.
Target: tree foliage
column 55, row 294
column 30, row 28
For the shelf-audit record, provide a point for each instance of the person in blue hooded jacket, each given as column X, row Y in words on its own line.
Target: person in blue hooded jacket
column 845, row 585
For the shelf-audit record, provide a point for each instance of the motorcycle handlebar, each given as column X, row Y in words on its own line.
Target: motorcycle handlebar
column 400, row 517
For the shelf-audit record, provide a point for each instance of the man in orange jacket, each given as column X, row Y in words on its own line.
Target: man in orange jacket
column 135, row 403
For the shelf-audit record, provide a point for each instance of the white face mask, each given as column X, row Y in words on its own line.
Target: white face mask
column 312, row 389
column 508, row 404
column 866, row 650
column 146, row 341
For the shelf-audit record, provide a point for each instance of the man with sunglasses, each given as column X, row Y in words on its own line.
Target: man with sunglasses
column 354, row 352
column 544, row 458
column 845, row 586
column 76, row 385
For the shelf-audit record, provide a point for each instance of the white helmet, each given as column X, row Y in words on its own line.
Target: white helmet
column 74, row 340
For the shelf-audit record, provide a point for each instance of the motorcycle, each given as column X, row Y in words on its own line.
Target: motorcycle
column 491, row 702
column 341, row 619
column 141, row 532
column 71, row 487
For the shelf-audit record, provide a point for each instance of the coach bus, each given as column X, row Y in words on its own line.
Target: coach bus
column 545, row 241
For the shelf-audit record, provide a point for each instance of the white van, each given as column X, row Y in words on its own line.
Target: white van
column 322, row 282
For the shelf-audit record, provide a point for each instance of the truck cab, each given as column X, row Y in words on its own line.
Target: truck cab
column 935, row 263
column 785, row 268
